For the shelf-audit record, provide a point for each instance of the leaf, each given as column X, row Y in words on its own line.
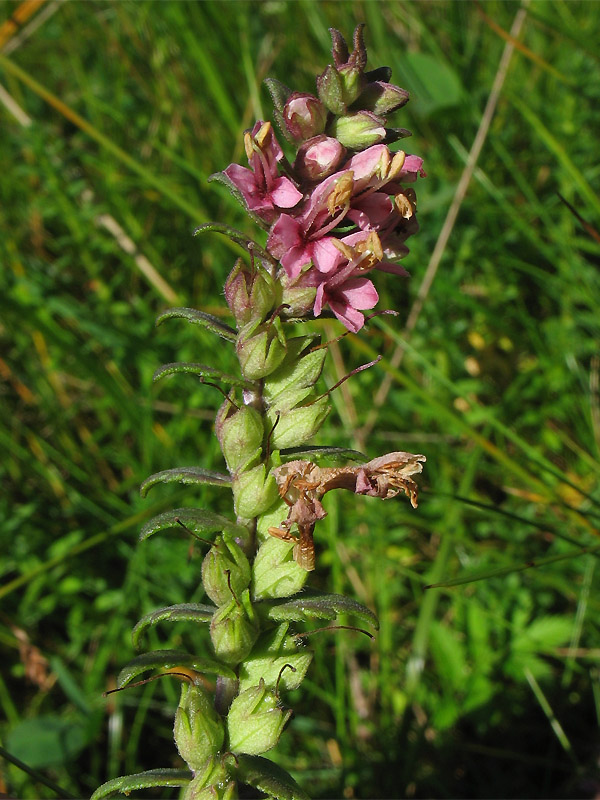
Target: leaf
column 202, row 371
column 48, row 741
column 182, row 612
column 317, row 453
column 197, row 520
column 307, row 606
column 199, row 318
column 236, row 236
column 267, row 777
column 165, row 659
column 187, row 475
column 143, row 780
column 221, row 177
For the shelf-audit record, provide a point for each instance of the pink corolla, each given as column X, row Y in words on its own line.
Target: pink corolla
column 302, row 240
column 345, row 289
column 264, row 191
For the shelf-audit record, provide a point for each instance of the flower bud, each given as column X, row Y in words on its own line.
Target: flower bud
column 250, row 293
column 212, row 783
column 233, row 629
column 254, row 491
column 225, row 570
column 255, row 720
column 272, row 652
column 298, row 425
column 274, row 572
column 198, row 729
column 382, row 98
column 318, row 158
column 260, row 348
column 240, row 433
column 359, row 130
column 330, row 89
column 304, row 115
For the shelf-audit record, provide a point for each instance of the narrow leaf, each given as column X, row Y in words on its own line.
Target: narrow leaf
column 267, row 777
column 143, row 780
column 187, row 475
column 202, row 371
column 198, row 520
column 307, row 606
column 166, row 659
column 199, row 318
column 317, row 453
column 238, row 237
column 183, row 612
column 501, row 571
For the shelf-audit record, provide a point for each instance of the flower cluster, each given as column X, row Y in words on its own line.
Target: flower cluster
column 341, row 209
column 344, row 206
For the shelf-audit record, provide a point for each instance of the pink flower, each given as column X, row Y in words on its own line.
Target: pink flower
column 263, row 190
column 298, row 241
column 346, row 299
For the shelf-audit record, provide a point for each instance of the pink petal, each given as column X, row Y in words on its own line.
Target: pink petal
column 351, row 318
column 359, row 293
column 284, row 235
column 395, row 269
column 371, row 212
column 318, row 307
column 284, row 194
column 325, row 255
column 243, row 179
column 295, row 259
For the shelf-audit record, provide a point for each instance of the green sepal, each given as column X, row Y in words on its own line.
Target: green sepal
column 273, row 650
column 165, row 659
column 234, row 629
column 267, row 777
column 198, row 520
column 274, row 571
column 298, row 424
column 143, row 780
column 238, row 237
column 182, row 612
column 309, row 605
column 202, row 371
column 316, row 454
column 293, row 380
column 188, row 475
column 199, row 318
column 225, row 180
column 254, row 492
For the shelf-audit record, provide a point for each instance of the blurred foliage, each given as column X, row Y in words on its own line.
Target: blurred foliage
column 116, row 115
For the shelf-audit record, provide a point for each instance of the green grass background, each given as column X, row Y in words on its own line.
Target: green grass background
column 485, row 689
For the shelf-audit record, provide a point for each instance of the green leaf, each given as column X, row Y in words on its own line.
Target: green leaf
column 221, row 177
column 187, row 475
column 48, row 741
column 307, row 606
column 318, row 453
column 182, row 612
column 198, row 520
column 267, row 777
column 199, row 318
column 236, row 236
column 166, row 659
column 143, row 780
column 202, row 371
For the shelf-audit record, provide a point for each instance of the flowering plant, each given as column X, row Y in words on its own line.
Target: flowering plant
column 338, row 212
